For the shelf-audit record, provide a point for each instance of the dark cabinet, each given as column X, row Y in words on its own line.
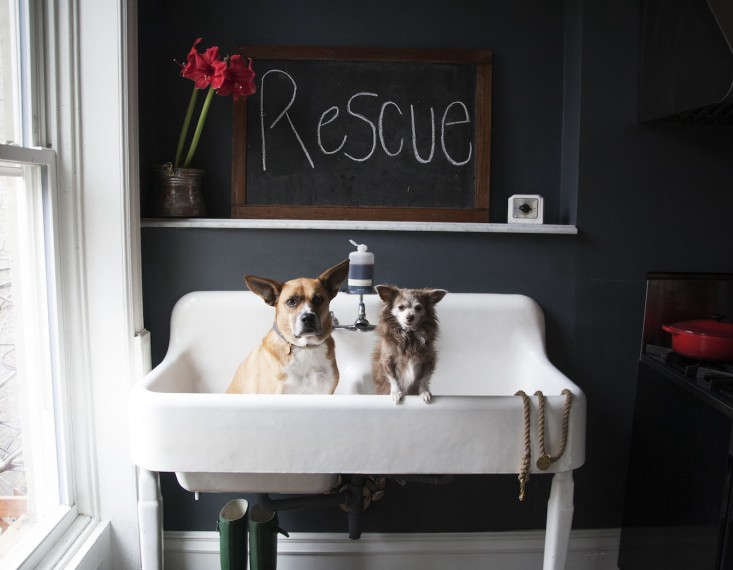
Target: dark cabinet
column 677, row 513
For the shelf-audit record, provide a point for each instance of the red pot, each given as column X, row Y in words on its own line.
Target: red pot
column 703, row 339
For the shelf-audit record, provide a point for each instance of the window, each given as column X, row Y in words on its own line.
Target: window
column 13, row 480
column 35, row 496
column 69, row 234
column 31, row 497
column 9, row 76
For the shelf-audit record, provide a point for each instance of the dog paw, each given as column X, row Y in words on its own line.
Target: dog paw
column 426, row 396
column 397, row 396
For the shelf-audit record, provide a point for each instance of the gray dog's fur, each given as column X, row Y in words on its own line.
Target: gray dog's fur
column 405, row 356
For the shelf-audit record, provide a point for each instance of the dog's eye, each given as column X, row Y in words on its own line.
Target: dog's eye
column 418, row 308
column 401, row 307
column 292, row 302
column 316, row 300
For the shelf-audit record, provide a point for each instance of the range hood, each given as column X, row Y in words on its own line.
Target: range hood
column 687, row 61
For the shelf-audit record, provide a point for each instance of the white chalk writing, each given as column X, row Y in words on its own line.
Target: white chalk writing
column 280, row 116
column 363, row 118
column 331, row 117
column 414, row 136
column 322, row 123
column 381, row 128
column 443, row 125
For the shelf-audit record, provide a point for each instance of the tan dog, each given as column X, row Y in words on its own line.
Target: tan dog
column 297, row 356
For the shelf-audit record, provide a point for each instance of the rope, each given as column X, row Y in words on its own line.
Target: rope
column 545, row 460
column 524, row 469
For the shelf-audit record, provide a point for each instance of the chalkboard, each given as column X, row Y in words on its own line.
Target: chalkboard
column 359, row 133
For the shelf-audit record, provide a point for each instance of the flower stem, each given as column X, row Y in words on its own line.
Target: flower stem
column 199, row 128
column 184, row 127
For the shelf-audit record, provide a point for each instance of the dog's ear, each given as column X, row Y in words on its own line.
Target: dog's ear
column 334, row 276
column 435, row 295
column 387, row 292
column 268, row 289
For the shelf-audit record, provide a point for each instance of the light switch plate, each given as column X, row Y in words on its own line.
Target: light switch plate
column 525, row 209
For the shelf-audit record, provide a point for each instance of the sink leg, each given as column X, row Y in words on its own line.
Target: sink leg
column 356, row 503
column 150, row 519
column 559, row 521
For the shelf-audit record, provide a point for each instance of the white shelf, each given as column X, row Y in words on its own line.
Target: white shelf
column 227, row 223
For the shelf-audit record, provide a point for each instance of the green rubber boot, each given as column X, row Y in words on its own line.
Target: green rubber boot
column 263, row 530
column 232, row 527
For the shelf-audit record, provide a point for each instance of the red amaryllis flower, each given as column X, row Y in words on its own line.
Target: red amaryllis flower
column 199, row 67
column 236, row 79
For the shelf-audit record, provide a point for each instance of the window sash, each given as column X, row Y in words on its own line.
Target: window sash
column 66, row 88
column 29, row 61
column 45, row 427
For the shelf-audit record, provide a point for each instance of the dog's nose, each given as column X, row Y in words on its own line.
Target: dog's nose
column 308, row 319
column 410, row 318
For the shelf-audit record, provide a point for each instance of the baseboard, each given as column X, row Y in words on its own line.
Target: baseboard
column 595, row 549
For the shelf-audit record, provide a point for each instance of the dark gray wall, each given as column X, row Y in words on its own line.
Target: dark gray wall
column 649, row 198
column 527, row 39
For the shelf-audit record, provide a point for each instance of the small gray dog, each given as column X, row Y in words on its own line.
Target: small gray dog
column 405, row 357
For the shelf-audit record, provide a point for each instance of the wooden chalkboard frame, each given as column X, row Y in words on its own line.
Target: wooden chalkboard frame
column 482, row 58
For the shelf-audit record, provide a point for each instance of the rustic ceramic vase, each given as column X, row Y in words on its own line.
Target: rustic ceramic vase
column 178, row 192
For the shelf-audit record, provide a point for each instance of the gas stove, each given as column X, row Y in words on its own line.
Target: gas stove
column 716, row 377
column 678, row 512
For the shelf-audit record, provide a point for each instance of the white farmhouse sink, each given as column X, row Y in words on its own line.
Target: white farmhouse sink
column 490, row 346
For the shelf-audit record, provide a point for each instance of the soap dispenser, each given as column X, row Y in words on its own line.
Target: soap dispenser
column 361, row 269
column 360, row 281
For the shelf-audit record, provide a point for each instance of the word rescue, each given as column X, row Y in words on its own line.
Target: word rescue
column 455, row 113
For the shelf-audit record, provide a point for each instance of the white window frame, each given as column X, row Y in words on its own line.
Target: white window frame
column 85, row 56
column 44, row 380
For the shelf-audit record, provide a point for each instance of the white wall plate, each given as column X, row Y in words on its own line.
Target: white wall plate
column 525, row 209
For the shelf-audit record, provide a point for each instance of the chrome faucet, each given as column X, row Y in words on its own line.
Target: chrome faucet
column 360, row 324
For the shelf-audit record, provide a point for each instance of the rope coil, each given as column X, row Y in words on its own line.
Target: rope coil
column 524, row 468
column 545, row 460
